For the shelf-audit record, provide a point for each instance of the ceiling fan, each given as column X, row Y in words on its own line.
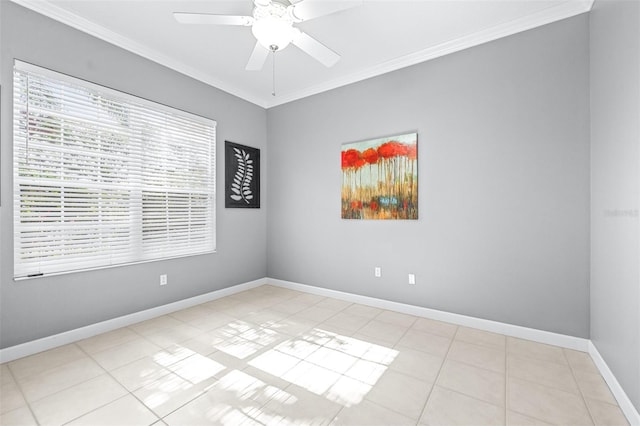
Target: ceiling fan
column 272, row 25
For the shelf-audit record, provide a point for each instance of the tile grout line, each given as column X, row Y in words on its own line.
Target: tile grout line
column 435, row 381
column 206, row 389
column 107, row 372
column 197, row 395
column 546, row 386
column 492, row 348
column 584, row 399
column 76, row 384
column 75, row 344
column 481, row 368
column 300, row 360
column 24, row 397
column 351, row 335
column 506, row 379
column 140, row 336
column 387, row 367
column 287, row 315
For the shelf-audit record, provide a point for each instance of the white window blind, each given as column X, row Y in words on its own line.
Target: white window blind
column 104, row 178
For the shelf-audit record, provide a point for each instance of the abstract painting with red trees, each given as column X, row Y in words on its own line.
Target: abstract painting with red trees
column 380, row 178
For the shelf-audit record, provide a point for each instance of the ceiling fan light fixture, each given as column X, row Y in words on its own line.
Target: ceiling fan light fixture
column 273, row 33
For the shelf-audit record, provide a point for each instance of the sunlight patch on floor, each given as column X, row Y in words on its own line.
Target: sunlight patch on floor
column 341, row 368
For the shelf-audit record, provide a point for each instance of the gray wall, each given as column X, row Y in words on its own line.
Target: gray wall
column 41, row 307
column 615, row 180
column 503, row 232
column 504, row 185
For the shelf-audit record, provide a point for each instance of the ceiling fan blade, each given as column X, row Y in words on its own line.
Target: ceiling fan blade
column 257, row 58
column 209, row 19
column 310, row 9
column 315, row 49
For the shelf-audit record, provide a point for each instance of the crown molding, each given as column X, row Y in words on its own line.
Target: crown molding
column 46, row 8
column 563, row 10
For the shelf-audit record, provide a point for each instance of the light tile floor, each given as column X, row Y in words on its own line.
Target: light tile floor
column 276, row 356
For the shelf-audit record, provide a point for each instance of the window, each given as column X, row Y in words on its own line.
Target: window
column 104, row 178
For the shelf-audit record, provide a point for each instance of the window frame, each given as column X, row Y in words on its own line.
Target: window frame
column 135, row 230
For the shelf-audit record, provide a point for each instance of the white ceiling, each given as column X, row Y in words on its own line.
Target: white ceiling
column 375, row 38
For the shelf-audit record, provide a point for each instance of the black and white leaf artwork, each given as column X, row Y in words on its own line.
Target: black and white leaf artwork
column 243, row 185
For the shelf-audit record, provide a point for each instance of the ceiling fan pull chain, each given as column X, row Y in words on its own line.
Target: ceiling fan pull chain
column 273, row 73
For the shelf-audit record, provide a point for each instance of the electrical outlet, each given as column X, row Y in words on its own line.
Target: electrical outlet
column 377, row 272
column 412, row 279
column 163, row 279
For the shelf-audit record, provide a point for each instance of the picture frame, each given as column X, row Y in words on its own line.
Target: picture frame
column 242, row 176
column 380, row 178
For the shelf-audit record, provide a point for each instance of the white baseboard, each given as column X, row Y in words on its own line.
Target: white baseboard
column 547, row 337
column 620, row 395
column 50, row 342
